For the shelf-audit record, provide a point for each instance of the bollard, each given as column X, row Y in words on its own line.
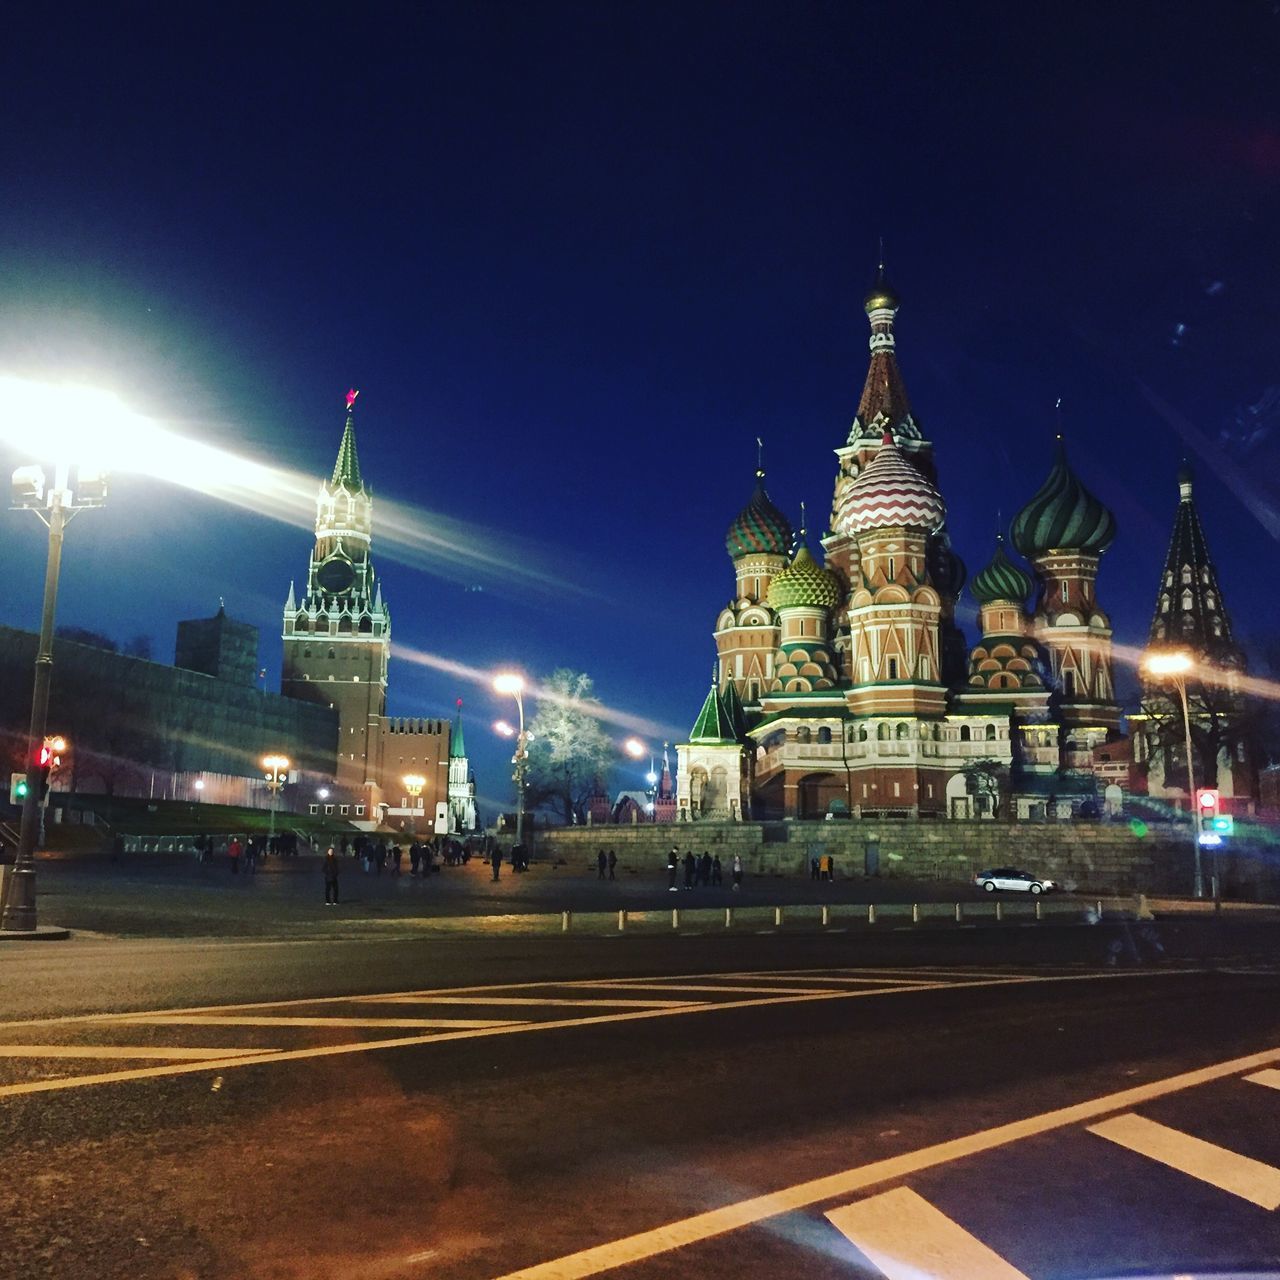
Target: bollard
column 826, row 916
column 728, row 917
column 871, row 913
column 915, row 913
column 999, row 911
column 959, row 913
column 565, row 918
column 777, row 917
column 622, row 921
column 675, row 917
column 1099, row 908
column 1039, row 909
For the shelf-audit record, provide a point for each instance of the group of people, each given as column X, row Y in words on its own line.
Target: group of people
column 704, row 870
column 607, row 862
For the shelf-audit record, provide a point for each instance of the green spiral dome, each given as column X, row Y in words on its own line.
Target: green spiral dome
column 804, row 583
column 1063, row 516
column 1001, row 579
column 760, row 528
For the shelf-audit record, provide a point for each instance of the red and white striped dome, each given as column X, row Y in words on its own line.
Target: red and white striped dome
column 890, row 494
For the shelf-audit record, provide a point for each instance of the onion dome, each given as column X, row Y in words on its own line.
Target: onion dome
column 890, row 494
column 1063, row 516
column 760, row 528
column 882, row 294
column 804, row 583
column 1001, row 579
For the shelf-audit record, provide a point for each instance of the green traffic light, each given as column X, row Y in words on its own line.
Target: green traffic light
column 21, row 790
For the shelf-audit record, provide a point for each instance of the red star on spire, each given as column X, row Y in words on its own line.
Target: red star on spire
column 351, row 398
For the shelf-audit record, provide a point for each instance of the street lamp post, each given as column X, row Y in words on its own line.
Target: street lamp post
column 1174, row 667
column 277, row 773
column 55, row 506
column 413, row 784
column 514, row 685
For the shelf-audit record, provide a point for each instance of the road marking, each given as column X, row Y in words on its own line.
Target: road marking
column 1270, row 1077
column 603, row 1002
column 733, row 990
column 269, row 1020
column 745, row 1213
column 1227, row 1170
column 114, row 1051
column 907, row 1238
column 400, row 1042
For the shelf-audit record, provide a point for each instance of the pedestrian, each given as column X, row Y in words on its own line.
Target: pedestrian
column 737, row 871
column 415, row 858
column 690, row 867
column 495, row 860
column 717, row 871
column 396, row 854
column 673, row 862
column 233, row 852
column 814, row 872
column 704, row 869
column 602, row 861
column 380, row 853
column 824, row 871
column 251, row 856
column 613, row 862
column 330, row 866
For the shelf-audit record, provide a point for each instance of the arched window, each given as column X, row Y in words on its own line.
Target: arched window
column 882, row 732
column 863, row 735
column 1069, row 684
column 803, row 734
column 366, row 624
column 893, row 668
column 991, row 733
column 332, row 652
column 344, row 625
column 1186, row 599
column 1164, row 604
column 824, row 734
column 1217, row 626
column 965, row 735
column 1204, row 574
column 902, row 731
column 306, row 653
column 1208, row 600
column 1186, row 575
column 1168, row 578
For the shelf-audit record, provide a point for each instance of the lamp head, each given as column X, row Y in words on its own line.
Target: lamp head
column 509, row 682
column 1168, row 664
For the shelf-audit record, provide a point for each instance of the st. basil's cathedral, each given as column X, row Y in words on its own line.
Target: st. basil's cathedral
column 846, row 688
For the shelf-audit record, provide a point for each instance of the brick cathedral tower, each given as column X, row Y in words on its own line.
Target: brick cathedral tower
column 337, row 637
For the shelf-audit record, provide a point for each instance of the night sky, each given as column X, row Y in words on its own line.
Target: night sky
column 578, row 257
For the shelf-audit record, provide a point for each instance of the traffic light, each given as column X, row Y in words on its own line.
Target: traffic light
column 1208, row 802
column 17, row 788
column 48, row 758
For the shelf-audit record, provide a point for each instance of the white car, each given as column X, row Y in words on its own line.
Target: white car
column 1012, row 878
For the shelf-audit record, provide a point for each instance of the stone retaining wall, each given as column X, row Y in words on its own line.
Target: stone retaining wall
column 1102, row 857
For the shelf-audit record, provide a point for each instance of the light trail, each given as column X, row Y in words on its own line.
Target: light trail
column 540, row 693
column 89, row 428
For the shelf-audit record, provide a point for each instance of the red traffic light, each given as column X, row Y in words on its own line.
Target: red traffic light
column 44, row 757
column 1207, row 798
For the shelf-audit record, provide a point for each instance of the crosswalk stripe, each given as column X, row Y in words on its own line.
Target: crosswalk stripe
column 906, row 1238
column 1227, row 1170
column 117, row 1051
column 1270, row 1077
column 262, row 1020
column 734, row 990
column 604, row 1001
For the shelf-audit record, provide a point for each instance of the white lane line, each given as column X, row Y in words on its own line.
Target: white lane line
column 735, row 989
column 907, row 1238
column 117, row 1051
column 604, row 1002
column 746, row 1213
column 401, row 1042
column 1270, row 1077
column 1227, row 1170
column 271, row 1020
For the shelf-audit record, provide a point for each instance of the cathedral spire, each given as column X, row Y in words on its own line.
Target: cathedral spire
column 1189, row 608
column 457, row 745
column 346, row 470
column 884, row 405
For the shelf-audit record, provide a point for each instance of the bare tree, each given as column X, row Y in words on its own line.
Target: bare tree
column 569, row 751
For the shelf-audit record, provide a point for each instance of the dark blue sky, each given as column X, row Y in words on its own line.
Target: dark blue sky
column 577, row 257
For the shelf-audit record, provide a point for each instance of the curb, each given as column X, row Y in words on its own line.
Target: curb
column 41, row 933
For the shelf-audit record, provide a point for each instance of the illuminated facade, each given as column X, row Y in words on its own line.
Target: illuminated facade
column 846, row 688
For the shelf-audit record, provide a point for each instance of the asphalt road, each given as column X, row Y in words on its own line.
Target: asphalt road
column 175, row 897
column 468, row 1108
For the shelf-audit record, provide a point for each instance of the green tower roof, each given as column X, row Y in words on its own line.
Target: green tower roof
column 714, row 723
column 1001, row 579
column 457, row 745
column 804, row 582
column 737, row 712
column 1063, row 516
column 346, row 471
